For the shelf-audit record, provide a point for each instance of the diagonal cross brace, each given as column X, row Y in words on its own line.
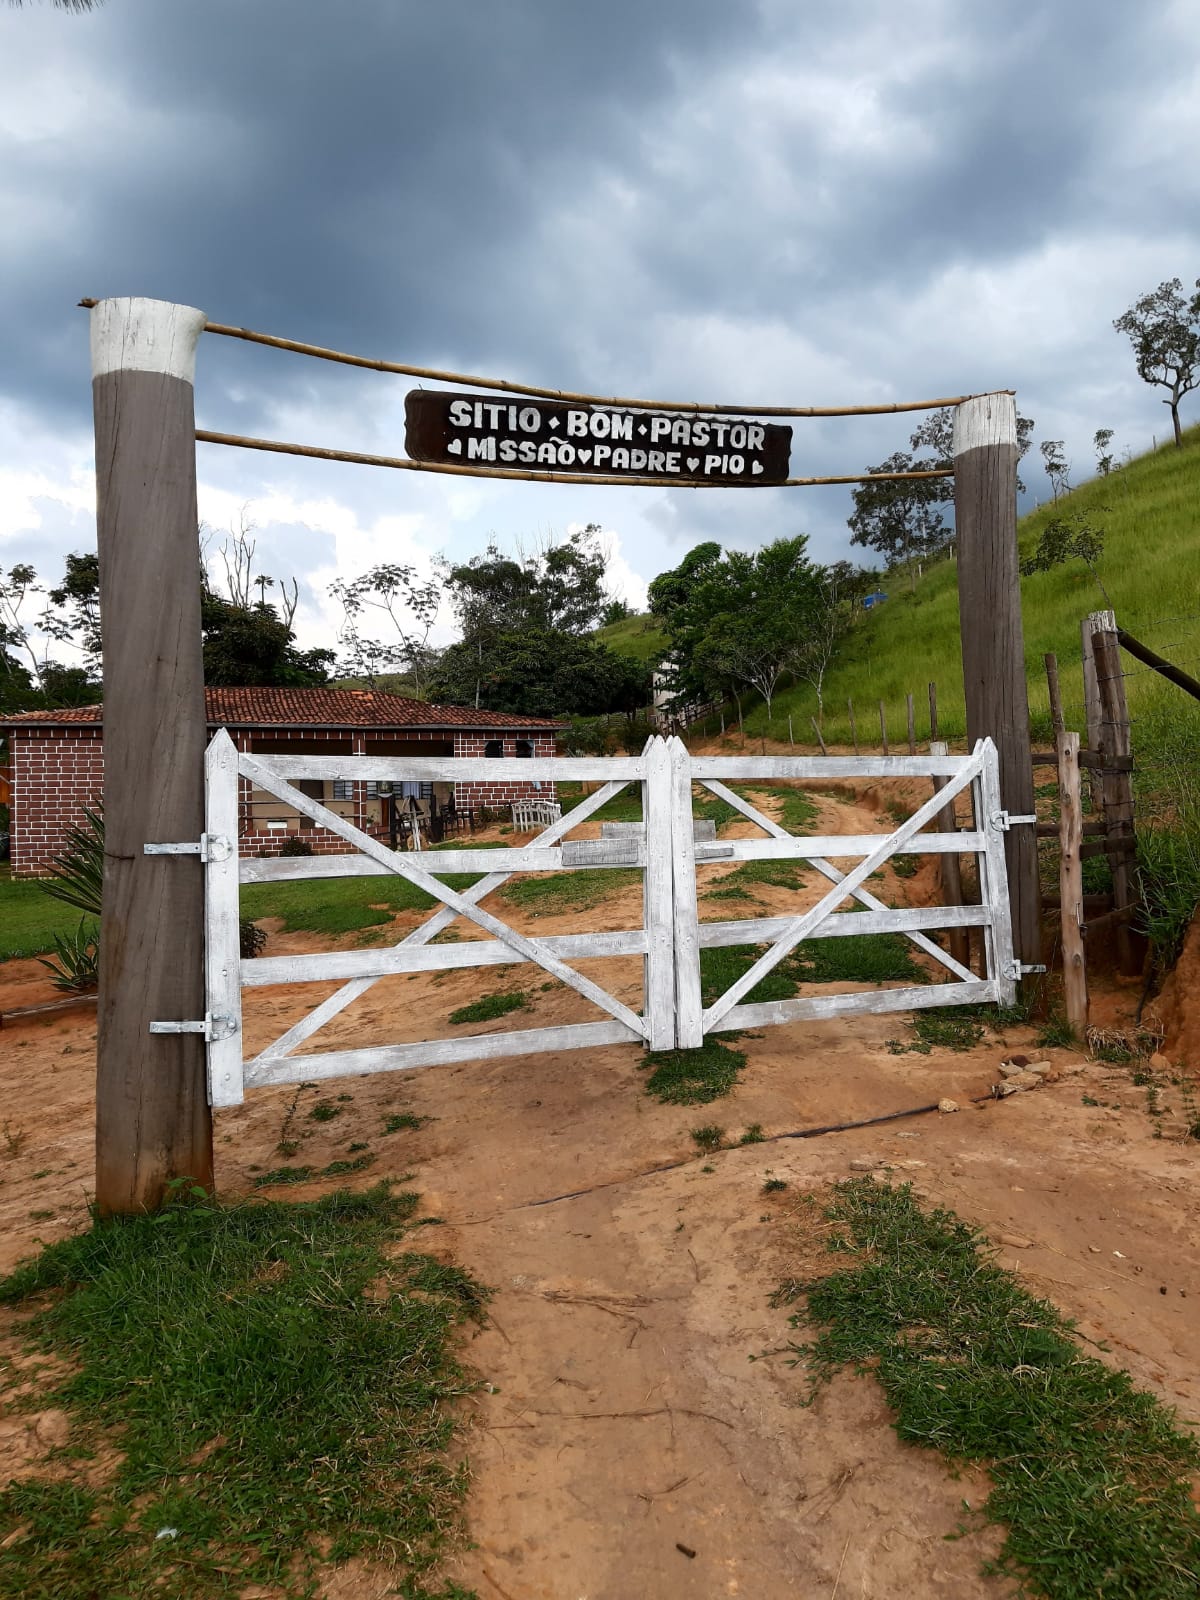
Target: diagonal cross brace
column 313, row 1021
column 265, row 778
column 804, row 925
column 828, row 870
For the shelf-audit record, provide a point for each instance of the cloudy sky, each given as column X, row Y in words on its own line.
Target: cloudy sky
column 738, row 201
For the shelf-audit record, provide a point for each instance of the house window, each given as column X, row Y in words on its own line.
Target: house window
column 494, row 748
column 525, row 749
column 343, row 789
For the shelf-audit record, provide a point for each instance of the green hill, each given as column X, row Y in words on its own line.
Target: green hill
column 639, row 636
column 1150, row 511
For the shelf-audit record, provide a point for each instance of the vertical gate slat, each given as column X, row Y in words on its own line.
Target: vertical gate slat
column 689, row 1011
column 222, row 919
column 659, row 1003
column 998, row 937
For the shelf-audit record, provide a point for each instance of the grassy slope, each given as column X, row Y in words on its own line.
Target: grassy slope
column 638, row 636
column 1150, row 568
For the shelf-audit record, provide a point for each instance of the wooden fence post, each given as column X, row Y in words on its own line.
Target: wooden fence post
column 853, row 728
column 153, row 1122
column 950, row 866
column 1093, row 715
column 1070, row 881
column 912, row 725
column 820, row 740
column 1056, row 710
column 883, row 727
column 993, row 646
column 1116, row 787
column 933, row 722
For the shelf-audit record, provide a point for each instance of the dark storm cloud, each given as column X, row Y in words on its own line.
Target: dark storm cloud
column 367, row 177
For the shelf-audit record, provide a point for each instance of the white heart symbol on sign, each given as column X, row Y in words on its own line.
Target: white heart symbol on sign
column 454, row 448
column 692, row 463
column 584, row 455
column 756, row 468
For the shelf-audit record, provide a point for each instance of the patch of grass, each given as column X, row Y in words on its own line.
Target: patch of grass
column 325, row 1111
column 550, row 893
column 266, row 1407
column 1090, row 1476
column 774, row 1186
column 727, row 891
column 281, row 1175
column 722, row 966
column 906, row 866
column 709, row 1137
column 492, row 1005
column 623, row 807
column 402, row 1120
column 342, row 1169
column 753, row 1134
column 1057, row 1033
column 778, row 874
column 858, row 958
column 943, row 1028
column 30, row 919
column 332, row 905
column 693, row 1077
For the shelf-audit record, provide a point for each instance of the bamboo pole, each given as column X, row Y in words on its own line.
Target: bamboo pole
column 518, row 474
column 506, row 386
column 1070, row 882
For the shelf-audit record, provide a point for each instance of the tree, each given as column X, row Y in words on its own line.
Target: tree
column 541, row 672
column 742, row 622
column 901, row 519
column 832, row 601
column 936, row 433
column 673, row 588
column 1164, row 330
column 253, row 645
column 409, row 603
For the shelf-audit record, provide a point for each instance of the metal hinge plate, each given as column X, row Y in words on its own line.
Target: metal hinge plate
column 1002, row 821
column 209, row 847
column 213, row 1028
column 1020, row 969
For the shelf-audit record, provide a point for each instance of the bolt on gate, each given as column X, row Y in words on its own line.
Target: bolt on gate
column 668, row 846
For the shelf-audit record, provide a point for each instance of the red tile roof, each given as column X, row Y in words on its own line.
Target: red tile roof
column 307, row 708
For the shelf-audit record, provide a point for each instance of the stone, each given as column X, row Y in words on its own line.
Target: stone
column 1040, row 1067
column 1159, row 1062
column 1012, row 1069
column 53, row 1428
column 1015, row 1241
column 862, row 1164
column 1019, row 1081
column 947, row 1106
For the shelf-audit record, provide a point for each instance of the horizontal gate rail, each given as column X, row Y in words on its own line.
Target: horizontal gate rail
column 871, row 1003
column 454, row 769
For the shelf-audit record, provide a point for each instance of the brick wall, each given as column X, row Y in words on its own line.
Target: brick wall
column 55, row 773
column 483, row 793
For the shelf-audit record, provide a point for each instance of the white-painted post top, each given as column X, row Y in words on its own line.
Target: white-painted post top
column 136, row 335
column 989, row 419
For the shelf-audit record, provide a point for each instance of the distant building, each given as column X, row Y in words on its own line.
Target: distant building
column 56, row 762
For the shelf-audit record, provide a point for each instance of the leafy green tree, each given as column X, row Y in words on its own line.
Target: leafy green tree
column 541, row 672
column 671, row 589
column 742, row 621
column 396, row 592
column 901, row 519
column 1164, row 329
column 253, row 645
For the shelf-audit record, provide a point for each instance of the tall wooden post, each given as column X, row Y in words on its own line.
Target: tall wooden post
column 993, row 642
column 1116, row 787
column 152, row 1118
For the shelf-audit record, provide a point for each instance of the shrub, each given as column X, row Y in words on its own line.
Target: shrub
column 294, row 845
column 251, row 939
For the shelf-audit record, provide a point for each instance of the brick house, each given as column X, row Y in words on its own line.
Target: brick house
column 56, row 761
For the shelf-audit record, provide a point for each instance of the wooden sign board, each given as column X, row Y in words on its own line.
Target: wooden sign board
column 604, row 441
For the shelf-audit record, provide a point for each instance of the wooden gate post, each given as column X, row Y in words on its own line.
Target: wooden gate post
column 1116, row 787
column 153, row 1122
column 993, row 644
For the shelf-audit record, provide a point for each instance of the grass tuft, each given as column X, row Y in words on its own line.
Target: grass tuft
column 693, row 1077
column 280, row 1391
column 1090, row 1476
column 491, row 1005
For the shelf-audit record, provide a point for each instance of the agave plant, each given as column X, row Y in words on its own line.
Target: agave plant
column 76, row 964
column 78, row 870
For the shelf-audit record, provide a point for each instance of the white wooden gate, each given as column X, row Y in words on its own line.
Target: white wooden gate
column 667, row 846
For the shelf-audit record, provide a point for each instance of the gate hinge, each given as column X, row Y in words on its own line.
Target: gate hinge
column 1002, row 821
column 213, row 1028
column 1021, row 969
column 209, row 847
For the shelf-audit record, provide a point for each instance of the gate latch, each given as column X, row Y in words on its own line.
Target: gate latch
column 1002, row 821
column 209, row 847
column 1020, row 969
column 213, row 1028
